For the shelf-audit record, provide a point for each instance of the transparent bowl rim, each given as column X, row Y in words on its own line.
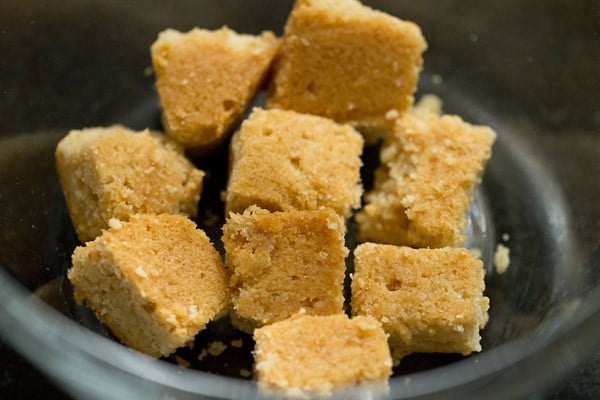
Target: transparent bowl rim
column 43, row 335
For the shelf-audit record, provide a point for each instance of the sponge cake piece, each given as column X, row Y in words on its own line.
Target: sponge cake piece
column 430, row 167
column 283, row 160
column 114, row 172
column 343, row 60
column 282, row 262
column 205, row 80
column 315, row 354
column 155, row 281
column 428, row 300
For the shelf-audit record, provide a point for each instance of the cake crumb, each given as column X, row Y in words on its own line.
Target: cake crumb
column 392, row 114
column 237, row 343
column 216, row 348
column 429, row 103
column 202, row 354
column 245, row 373
column 182, row 362
column 475, row 252
column 148, row 71
column 211, row 220
column 505, row 237
column 436, row 79
column 115, row 223
column 139, row 271
column 501, row 258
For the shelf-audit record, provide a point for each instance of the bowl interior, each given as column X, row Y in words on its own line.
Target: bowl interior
column 505, row 64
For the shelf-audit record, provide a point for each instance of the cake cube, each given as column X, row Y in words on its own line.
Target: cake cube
column 430, row 167
column 283, row 160
column 343, row 60
column 154, row 281
column 114, row 172
column 428, row 300
column 315, row 354
column 206, row 79
column 282, row 262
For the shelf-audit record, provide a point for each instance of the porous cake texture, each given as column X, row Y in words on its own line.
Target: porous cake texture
column 343, row 60
column 205, row 80
column 282, row 262
column 423, row 189
column 154, row 281
column 315, row 354
column 115, row 172
column 282, row 160
column 428, row 300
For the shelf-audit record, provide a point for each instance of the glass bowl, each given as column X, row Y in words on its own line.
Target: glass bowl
column 528, row 69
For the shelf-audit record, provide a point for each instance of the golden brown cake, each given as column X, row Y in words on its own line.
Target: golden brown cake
column 429, row 168
column 428, row 300
column 315, row 354
column 115, row 172
column 343, row 60
column 283, row 160
column 205, row 80
column 283, row 261
column 154, row 281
